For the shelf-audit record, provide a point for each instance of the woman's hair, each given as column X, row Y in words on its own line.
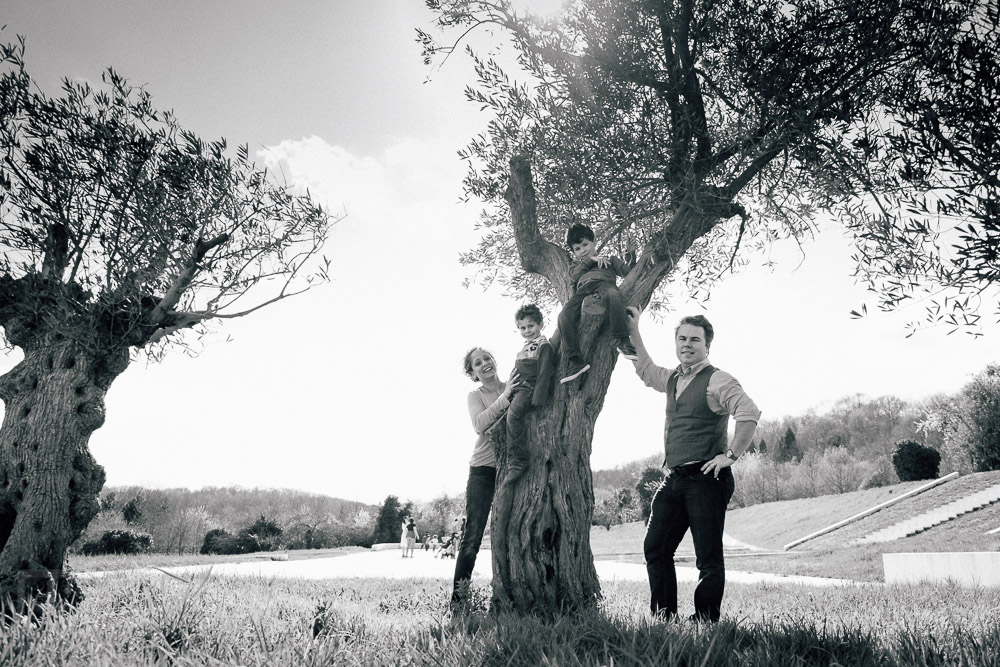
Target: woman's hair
column 468, row 363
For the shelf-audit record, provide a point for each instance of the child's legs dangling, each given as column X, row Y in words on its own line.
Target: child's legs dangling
column 517, row 445
column 615, row 305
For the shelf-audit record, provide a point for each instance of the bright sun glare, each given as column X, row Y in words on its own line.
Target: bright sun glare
column 539, row 7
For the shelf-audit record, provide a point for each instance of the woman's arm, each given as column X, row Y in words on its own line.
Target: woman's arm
column 484, row 416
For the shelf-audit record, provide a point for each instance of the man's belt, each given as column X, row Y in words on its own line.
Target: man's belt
column 687, row 469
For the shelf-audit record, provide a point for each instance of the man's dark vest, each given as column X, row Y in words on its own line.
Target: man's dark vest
column 695, row 432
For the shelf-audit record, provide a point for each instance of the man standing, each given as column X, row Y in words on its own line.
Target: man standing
column 699, row 482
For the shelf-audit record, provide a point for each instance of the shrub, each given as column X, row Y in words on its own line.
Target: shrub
column 877, row 479
column 914, row 461
column 614, row 507
column 648, row 483
column 217, row 541
column 262, row 535
column 351, row 536
column 119, row 542
column 983, row 400
column 840, row 471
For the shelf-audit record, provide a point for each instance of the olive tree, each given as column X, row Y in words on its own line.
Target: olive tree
column 122, row 234
column 694, row 131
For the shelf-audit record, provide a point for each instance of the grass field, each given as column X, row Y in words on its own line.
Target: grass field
column 135, row 618
column 138, row 620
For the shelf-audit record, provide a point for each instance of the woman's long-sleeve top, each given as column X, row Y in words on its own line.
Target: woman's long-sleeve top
column 485, row 408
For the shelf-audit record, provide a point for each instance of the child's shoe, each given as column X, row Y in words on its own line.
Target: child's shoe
column 576, row 369
column 628, row 351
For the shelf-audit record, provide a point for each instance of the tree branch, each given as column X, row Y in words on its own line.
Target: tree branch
column 173, row 295
column 537, row 254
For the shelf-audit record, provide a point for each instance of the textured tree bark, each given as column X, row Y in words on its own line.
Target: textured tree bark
column 540, row 532
column 49, row 482
column 542, row 561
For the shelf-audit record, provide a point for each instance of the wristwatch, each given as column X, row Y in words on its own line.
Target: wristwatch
column 729, row 454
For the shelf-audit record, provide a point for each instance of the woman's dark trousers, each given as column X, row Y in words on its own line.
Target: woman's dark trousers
column 478, row 500
column 696, row 501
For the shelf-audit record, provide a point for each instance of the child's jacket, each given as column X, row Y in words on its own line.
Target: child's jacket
column 587, row 271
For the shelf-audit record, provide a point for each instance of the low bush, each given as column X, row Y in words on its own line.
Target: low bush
column 217, row 541
column 262, row 535
column 878, row 479
column 119, row 542
column 914, row 462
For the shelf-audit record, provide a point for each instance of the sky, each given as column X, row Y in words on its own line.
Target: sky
column 355, row 389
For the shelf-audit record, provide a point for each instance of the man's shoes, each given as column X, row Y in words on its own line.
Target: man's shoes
column 575, row 371
column 628, row 351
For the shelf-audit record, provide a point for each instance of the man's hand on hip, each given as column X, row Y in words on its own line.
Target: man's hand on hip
column 716, row 465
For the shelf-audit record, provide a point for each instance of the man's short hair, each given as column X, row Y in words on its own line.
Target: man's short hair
column 531, row 312
column 698, row 321
column 578, row 232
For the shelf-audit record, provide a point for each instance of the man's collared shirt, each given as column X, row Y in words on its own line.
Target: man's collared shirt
column 724, row 394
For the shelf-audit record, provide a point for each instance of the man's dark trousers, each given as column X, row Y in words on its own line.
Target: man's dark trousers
column 696, row 501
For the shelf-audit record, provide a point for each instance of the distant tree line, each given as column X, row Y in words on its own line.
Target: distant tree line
column 236, row 520
column 859, row 442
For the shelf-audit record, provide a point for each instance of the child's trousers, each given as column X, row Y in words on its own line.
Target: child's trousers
column 569, row 318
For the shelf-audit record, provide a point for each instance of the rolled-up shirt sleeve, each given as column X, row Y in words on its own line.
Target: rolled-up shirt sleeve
column 726, row 395
column 652, row 375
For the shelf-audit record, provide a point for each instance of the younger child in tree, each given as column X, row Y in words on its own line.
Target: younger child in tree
column 533, row 367
column 592, row 274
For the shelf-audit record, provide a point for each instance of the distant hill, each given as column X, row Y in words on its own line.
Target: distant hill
column 772, row 525
column 235, row 506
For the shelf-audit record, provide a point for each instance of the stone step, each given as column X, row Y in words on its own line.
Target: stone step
column 929, row 519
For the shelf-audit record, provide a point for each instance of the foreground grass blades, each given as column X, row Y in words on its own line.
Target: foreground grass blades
column 139, row 620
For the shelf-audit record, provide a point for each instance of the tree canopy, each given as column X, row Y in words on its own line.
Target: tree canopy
column 695, row 132
column 119, row 230
column 119, row 227
column 694, row 129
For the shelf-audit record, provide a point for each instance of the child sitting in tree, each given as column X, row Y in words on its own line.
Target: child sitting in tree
column 533, row 368
column 592, row 274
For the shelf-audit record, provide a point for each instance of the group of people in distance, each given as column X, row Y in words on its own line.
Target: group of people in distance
column 697, row 451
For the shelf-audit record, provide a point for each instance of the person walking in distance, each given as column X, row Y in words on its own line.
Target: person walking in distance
column 698, row 459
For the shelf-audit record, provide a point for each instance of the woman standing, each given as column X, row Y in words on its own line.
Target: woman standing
column 487, row 405
column 411, row 537
column 402, row 537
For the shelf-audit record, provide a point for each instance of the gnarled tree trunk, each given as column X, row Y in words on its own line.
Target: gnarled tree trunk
column 542, row 561
column 540, row 532
column 49, row 482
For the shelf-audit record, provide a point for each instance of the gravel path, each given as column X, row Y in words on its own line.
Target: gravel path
column 424, row 565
